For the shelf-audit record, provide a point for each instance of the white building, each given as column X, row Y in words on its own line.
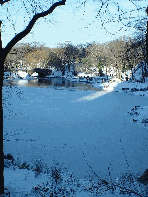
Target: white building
column 57, row 73
column 110, row 71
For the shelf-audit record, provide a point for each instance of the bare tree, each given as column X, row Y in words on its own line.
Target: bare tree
column 69, row 53
column 22, row 55
column 4, row 51
column 55, row 60
column 126, row 18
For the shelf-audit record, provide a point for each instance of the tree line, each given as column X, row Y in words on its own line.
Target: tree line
column 122, row 54
column 34, row 10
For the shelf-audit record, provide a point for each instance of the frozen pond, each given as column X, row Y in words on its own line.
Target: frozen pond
column 51, row 83
column 58, row 124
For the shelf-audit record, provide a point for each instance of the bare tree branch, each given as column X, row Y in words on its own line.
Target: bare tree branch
column 2, row 1
column 26, row 31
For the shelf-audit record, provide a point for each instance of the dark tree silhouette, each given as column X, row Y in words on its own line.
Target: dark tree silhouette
column 147, row 38
column 4, row 52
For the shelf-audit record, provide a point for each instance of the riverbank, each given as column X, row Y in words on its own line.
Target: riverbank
column 65, row 136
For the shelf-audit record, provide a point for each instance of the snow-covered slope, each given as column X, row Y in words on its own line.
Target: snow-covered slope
column 138, row 71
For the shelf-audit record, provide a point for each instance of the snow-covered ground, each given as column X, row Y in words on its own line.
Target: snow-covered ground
column 24, row 182
column 133, row 88
column 136, row 88
column 86, row 141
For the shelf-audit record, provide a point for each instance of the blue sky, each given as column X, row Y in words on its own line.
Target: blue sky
column 73, row 25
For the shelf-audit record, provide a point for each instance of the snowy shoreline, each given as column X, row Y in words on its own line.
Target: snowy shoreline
column 19, row 180
column 22, row 182
column 139, row 115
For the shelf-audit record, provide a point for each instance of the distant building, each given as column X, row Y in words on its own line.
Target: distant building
column 70, row 69
column 57, row 73
column 110, row 71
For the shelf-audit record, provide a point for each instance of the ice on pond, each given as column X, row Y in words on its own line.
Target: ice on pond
column 60, row 125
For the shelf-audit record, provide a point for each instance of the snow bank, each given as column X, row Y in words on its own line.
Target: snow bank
column 35, row 74
column 140, row 115
column 133, row 87
column 139, row 70
column 23, row 74
column 120, row 86
column 108, row 86
column 84, row 75
column 23, row 182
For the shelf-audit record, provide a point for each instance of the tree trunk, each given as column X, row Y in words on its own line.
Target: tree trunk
column 2, row 59
column 3, row 54
column 1, row 128
column 132, row 73
column 146, row 72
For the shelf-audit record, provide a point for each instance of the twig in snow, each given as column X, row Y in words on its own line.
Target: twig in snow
column 103, row 181
column 125, row 157
column 112, row 186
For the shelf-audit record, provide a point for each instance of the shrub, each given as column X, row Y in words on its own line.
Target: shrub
column 9, row 156
column 38, row 168
column 56, row 174
column 24, row 166
column 144, row 177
